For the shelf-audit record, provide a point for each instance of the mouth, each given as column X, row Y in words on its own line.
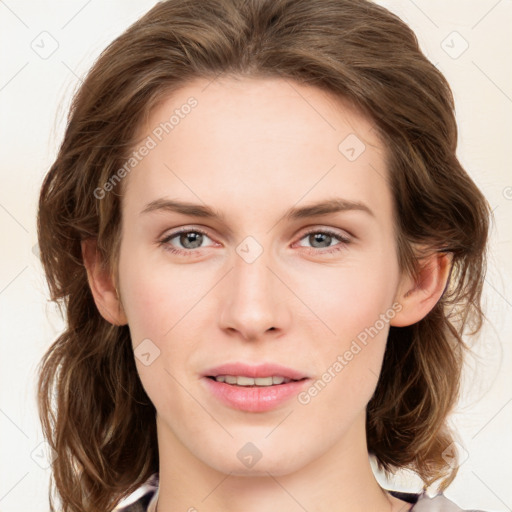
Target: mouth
column 242, row 380
column 251, row 388
column 244, row 372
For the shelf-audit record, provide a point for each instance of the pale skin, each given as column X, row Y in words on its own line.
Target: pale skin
column 252, row 149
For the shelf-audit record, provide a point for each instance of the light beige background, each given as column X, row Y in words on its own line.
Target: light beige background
column 35, row 91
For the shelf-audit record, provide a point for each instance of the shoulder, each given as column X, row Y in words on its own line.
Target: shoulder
column 424, row 503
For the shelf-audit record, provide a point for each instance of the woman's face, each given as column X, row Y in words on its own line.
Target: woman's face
column 267, row 280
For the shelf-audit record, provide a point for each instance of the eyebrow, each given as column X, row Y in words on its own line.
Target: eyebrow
column 295, row 213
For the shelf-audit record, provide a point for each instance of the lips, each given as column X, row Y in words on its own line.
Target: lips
column 255, row 371
column 249, row 389
column 249, row 381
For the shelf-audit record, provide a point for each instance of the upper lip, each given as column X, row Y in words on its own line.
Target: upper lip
column 259, row 370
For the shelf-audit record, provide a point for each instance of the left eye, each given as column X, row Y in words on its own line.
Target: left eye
column 325, row 236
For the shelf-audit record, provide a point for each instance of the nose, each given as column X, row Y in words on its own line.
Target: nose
column 253, row 299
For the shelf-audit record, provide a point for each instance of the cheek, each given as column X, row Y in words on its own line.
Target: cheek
column 155, row 298
column 157, row 303
column 349, row 298
column 348, row 365
column 161, row 303
column 355, row 303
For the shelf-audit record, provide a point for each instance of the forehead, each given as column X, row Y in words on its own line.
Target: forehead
column 247, row 139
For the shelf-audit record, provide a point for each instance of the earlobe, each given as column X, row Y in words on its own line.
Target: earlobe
column 103, row 287
column 418, row 295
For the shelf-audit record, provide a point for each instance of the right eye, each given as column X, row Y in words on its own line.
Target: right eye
column 190, row 240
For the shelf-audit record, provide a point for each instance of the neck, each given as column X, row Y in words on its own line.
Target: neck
column 340, row 479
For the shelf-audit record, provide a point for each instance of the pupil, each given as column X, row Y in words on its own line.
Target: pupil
column 194, row 238
column 317, row 237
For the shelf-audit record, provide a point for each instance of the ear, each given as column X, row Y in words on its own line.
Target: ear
column 419, row 294
column 102, row 285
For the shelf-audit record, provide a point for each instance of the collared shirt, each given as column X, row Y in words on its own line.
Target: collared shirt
column 144, row 499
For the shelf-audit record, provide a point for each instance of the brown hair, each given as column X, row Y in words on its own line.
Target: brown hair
column 94, row 410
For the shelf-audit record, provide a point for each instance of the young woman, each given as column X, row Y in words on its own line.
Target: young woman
column 268, row 255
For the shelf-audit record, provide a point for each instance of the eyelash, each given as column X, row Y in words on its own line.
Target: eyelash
column 182, row 252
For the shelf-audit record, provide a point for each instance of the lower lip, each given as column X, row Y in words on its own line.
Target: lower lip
column 254, row 399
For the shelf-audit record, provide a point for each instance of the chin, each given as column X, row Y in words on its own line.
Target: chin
column 278, row 464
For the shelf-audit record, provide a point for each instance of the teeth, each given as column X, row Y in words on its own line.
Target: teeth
column 240, row 380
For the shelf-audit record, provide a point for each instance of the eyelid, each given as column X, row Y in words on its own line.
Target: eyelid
column 342, row 233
